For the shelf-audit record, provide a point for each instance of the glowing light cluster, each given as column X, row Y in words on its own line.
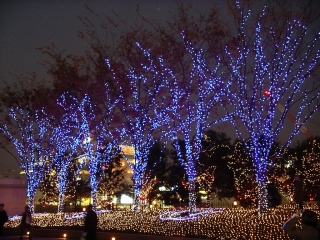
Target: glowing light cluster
column 164, row 105
column 31, row 138
column 94, row 141
column 64, row 145
column 311, row 163
column 143, row 114
column 306, row 164
column 280, row 69
column 191, row 111
column 236, row 223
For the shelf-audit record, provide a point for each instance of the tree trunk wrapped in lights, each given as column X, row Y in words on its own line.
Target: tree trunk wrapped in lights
column 95, row 140
column 193, row 109
column 65, row 142
column 61, row 198
column 142, row 107
column 31, row 137
column 271, row 62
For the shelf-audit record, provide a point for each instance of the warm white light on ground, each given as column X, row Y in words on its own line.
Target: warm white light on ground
column 213, row 223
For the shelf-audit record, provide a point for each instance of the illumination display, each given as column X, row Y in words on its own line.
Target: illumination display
column 93, row 139
column 267, row 70
column 31, row 138
column 311, row 163
column 206, row 182
column 233, row 223
column 192, row 110
column 307, row 165
column 143, row 114
column 63, row 146
column 281, row 63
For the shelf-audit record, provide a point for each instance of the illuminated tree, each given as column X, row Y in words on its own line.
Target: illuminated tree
column 49, row 188
column 142, row 109
column 306, row 163
column 64, row 145
column 212, row 168
column 97, row 143
column 111, row 182
column 271, row 65
column 193, row 109
column 77, row 191
column 30, row 134
column 28, row 127
column 243, row 173
column 160, row 99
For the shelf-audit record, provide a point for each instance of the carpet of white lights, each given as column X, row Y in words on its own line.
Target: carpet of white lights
column 236, row 223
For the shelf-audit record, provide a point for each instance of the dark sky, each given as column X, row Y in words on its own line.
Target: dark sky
column 28, row 24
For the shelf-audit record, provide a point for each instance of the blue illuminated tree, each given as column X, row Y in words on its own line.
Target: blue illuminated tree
column 30, row 131
column 179, row 106
column 195, row 100
column 142, row 107
column 272, row 65
column 97, row 143
column 64, row 146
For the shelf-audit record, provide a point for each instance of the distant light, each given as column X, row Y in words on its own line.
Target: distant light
column 84, row 209
column 125, row 199
column 165, row 189
column 64, row 235
column 113, row 238
column 235, row 203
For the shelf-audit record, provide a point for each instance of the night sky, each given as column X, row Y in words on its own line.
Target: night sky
column 28, row 24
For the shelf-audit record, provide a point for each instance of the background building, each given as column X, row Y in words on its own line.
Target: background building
column 13, row 194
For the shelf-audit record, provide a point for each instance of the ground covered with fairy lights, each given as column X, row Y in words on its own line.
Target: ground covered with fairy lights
column 215, row 223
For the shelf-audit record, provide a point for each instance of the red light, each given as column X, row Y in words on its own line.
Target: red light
column 267, row 93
